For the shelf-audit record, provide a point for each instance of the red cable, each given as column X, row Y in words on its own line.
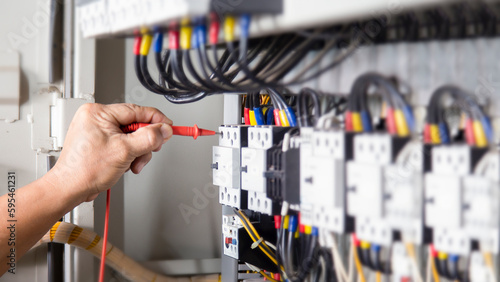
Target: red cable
column 105, row 239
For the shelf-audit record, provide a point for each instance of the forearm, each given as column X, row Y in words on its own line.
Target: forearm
column 37, row 207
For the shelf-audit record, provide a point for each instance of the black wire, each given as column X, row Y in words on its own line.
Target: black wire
column 176, row 62
column 303, row 107
column 165, row 70
column 207, row 83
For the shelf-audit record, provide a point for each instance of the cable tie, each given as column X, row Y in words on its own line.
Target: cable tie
column 257, row 243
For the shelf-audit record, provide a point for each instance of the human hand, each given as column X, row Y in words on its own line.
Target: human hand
column 97, row 153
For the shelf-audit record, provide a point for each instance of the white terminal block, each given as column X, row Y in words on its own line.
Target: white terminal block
column 443, row 201
column 452, row 160
column 480, row 214
column 404, row 202
column 365, row 190
column 226, row 164
column 230, row 226
column 373, row 148
column 253, row 167
column 327, row 180
column 404, row 190
column 444, row 213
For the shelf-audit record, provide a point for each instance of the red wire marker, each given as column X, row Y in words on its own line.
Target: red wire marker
column 193, row 131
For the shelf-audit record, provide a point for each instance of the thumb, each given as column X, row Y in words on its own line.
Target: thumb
column 148, row 138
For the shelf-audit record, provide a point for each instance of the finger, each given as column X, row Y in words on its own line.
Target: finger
column 158, row 149
column 128, row 113
column 147, row 139
column 139, row 163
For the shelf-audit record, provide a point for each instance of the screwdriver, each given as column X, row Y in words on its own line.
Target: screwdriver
column 193, row 131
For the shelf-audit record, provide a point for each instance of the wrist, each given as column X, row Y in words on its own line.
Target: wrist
column 66, row 190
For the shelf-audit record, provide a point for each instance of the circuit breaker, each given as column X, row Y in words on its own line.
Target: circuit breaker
column 254, row 164
column 226, row 160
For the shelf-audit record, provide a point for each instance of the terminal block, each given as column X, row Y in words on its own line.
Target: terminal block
column 445, row 200
column 324, row 179
column 226, row 165
column 255, row 161
column 481, row 203
column 404, row 192
column 366, row 187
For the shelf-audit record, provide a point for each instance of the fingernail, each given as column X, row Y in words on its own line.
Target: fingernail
column 166, row 131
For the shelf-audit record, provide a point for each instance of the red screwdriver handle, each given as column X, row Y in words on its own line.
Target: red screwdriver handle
column 176, row 130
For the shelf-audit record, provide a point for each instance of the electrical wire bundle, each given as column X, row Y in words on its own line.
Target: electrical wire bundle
column 477, row 126
column 298, row 251
column 399, row 118
column 369, row 255
column 245, row 66
column 447, row 266
column 258, row 242
column 257, row 113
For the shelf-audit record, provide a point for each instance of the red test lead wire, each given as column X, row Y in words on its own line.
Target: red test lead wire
column 104, row 239
column 193, row 131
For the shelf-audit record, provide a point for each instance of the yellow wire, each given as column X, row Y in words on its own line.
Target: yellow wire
column 229, row 23
column 359, row 268
column 489, row 261
column 268, row 251
column 378, row 276
column 436, row 139
column 401, row 126
column 268, row 277
column 253, row 121
column 434, row 270
column 357, row 124
column 186, row 33
column 479, row 135
column 284, row 119
column 147, row 39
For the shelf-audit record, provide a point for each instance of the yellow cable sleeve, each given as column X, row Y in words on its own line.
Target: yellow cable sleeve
column 436, row 139
column 442, row 255
column 357, row 124
column 229, row 24
column 286, row 221
column 147, row 39
column 62, row 232
column 401, row 125
column 308, row 229
column 364, row 245
column 479, row 134
column 251, row 115
column 359, row 268
column 185, row 35
column 284, row 119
